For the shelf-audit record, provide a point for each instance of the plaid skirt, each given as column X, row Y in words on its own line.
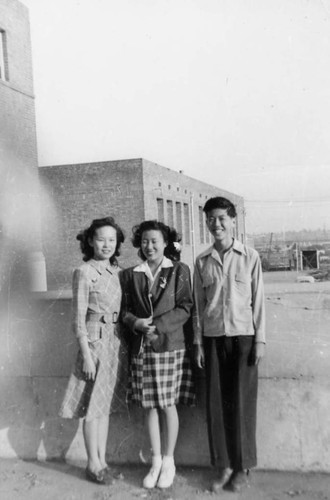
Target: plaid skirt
column 105, row 394
column 160, row 380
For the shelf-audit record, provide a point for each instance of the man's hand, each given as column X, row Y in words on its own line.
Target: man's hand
column 199, row 356
column 259, row 352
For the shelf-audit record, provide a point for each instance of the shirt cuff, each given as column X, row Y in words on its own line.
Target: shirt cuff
column 260, row 337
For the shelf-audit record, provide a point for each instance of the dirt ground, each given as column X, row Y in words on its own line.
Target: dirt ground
column 61, row 481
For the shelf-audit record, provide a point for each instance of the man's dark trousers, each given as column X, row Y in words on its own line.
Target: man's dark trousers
column 232, row 386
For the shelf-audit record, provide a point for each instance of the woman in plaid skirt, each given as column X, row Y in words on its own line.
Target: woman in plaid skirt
column 157, row 300
column 97, row 381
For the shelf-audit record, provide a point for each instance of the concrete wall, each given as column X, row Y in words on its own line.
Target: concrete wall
column 294, row 402
column 19, row 187
column 18, row 129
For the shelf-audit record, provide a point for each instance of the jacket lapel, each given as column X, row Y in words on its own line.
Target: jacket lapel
column 140, row 282
column 164, row 292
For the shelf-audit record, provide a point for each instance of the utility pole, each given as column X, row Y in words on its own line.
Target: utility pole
column 192, row 225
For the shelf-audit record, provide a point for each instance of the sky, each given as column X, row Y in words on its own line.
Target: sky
column 235, row 93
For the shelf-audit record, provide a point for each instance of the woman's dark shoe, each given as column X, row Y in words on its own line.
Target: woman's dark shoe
column 237, row 481
column 222, row 478
column 108, row 474
column 95, row 477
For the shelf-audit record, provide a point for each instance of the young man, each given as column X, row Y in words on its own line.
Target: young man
column 229, row 337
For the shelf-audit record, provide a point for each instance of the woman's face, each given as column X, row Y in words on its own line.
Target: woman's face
column 153, row 245
column 104, row 242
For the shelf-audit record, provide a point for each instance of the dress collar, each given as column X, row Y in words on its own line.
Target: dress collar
column 100, row 268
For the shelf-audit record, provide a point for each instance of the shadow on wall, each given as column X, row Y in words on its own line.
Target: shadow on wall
column 37, row 355
column 38, row 351
column 26, row 357
column 35, row 359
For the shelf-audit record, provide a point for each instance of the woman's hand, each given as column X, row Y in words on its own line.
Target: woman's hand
column 145, row 326
column 151, row 336
column 199, row 356
column 89, row 367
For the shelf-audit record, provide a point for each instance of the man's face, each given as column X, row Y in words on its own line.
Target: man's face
column 220, row 225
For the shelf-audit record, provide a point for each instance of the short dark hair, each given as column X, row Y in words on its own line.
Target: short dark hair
column 219, row 202
column 87, row 234
column 170, row 236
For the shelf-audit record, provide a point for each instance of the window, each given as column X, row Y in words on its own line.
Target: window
column 3, row 56
column 178, row 217
column 207, row 236
column 160, row 209
column 201, row 225
column 186, row 223
column 170, row 214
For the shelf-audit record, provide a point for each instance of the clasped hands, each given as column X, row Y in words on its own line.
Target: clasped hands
column 145, row 326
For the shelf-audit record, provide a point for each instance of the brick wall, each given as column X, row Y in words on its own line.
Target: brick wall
column 131, row 191
column 72, row 196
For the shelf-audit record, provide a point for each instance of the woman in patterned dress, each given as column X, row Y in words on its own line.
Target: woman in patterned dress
column 97, row 381
column 157, row 300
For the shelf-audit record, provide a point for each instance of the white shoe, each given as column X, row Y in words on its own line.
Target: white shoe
column 167, row 475
column 151, row 478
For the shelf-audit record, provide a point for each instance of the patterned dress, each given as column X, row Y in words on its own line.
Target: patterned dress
column 96, row 303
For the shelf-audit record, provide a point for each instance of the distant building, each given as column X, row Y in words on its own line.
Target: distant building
column 130, row 190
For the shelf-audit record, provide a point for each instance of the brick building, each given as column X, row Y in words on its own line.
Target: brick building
column 19, row 188
column 130, row 190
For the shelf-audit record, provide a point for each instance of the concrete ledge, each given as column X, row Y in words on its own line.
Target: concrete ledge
column 293, row 426
column 38, row 351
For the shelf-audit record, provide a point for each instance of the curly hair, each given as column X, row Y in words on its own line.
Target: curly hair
column 219, row 202
column 87, row 234
column 170, row 235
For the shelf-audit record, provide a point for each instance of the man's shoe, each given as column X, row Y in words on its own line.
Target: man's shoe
column 237, row 481
column 222, row 478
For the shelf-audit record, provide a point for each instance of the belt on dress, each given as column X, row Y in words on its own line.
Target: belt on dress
column 103, row 318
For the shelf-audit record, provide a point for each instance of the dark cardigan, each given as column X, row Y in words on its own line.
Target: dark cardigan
column 172, row 303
